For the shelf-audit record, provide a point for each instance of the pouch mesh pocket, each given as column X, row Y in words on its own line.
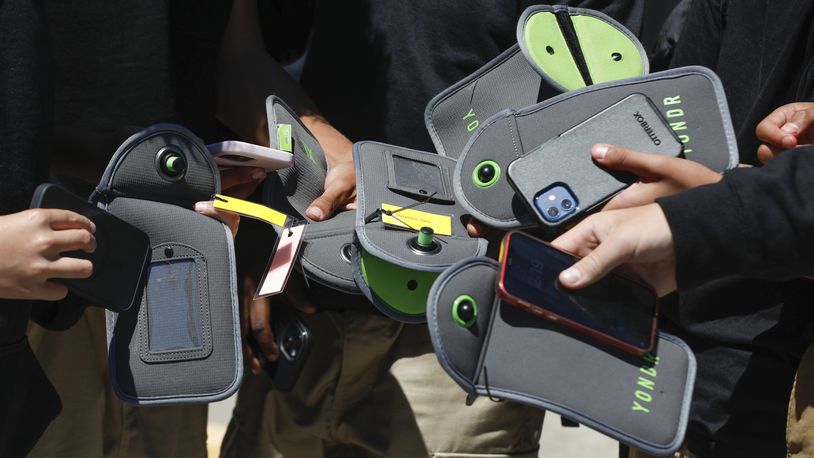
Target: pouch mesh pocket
column 174, row 306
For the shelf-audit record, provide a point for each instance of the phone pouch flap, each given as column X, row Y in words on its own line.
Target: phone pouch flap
column 399, row 192
column 325, row 254
column 691, row 99
column 180, row 343
column 584, row 44
column 572, row 48
column 504, row 352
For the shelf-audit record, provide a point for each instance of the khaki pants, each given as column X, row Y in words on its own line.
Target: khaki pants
column 800, row 425
column 94, row 422
column 373, row 387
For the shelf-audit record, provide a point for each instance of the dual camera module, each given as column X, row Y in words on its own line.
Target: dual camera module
column 555, row 203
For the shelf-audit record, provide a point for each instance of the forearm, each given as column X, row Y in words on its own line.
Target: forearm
column 247, row 74
column 754, row 223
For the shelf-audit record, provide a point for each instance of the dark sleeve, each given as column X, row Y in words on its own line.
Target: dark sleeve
column 757, row 222
column 28, row 402
column 629, row 13
column 196, row 30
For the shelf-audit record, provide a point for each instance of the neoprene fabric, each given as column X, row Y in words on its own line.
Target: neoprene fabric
column 511, row 354
column 325, row 251
column 573, row 47
column 181, row 342
column 584, row 39
column 691, row 99
column 393, row 275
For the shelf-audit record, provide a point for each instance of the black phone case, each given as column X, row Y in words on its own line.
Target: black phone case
column 114, row 260
column 286, row 371
column 633, row 122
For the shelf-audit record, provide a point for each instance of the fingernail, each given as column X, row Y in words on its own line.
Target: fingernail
column 570, row 276
column 791, row 128
column 200, row 206
column 599, row 151
column 258, row 174
column 92, row 227
column 314, row 213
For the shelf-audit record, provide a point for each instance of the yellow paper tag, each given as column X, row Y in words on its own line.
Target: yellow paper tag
column 251, row 210
column 415, row 219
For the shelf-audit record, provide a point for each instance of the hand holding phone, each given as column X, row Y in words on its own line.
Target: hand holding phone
column 616, row 310
column 32, row 244
column 122, row 252
column 559, row 181
column 293, row 338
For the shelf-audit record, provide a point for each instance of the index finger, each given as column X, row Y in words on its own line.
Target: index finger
column 770, row 131
column 65, row 219
column 579, row 240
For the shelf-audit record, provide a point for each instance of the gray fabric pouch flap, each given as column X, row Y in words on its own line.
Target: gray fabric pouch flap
column 387, row 174
column 576, row 47
column 325, row 254
column 511, row 354
column 518, row 77
column 507, row 81
column 691, row 99
column 181, row 342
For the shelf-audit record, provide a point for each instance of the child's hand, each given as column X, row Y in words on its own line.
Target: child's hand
column 787, row 127
column 31, row 250
column 659, row 176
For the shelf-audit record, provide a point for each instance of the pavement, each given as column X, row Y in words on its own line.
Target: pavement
column 556, row 441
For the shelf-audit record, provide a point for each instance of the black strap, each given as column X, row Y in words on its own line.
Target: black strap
column 570, row 35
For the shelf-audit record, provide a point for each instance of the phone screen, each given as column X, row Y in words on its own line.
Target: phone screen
column 614, row 306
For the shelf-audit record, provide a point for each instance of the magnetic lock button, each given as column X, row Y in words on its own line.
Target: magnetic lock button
column 171, row 163
column 424, row 242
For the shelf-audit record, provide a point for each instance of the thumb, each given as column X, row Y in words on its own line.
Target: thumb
column 588, row 270
column 782, row 127
column 798, row 124
column 324, row 206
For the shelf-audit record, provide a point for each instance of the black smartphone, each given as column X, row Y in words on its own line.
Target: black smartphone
column 121, row 257
column 294, row 340
column 616, row 310
column 559, row 181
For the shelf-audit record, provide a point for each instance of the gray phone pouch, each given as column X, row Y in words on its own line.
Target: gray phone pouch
column 181, row 342
column 691, row 99
column 399, row 192
column 586, row 47
column 508, row 353
column 326, row 250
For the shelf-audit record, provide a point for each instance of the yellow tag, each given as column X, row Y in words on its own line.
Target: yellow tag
column 415, row 219
column 251, row 210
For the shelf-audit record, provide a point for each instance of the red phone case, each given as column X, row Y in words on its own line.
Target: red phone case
column 549, row 315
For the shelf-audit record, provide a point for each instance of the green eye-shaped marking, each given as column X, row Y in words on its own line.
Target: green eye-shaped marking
column 486, row 174
column 465, row 311
column 574, row 50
